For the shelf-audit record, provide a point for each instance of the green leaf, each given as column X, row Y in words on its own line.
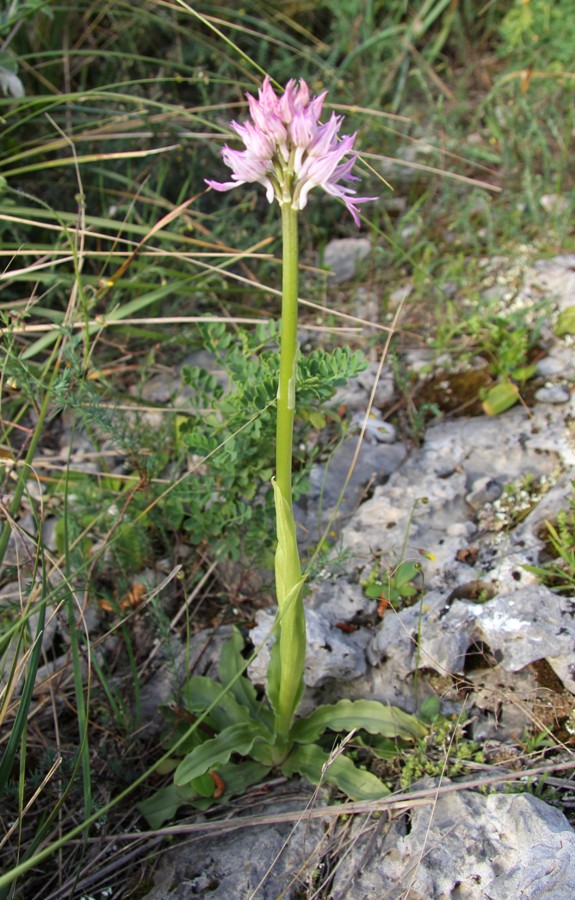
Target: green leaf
column 201, row 381
column 314, row 764
column 285, row 675
column 236, row 778
column 238, row 738
column 232, row 664
column 405, row 572
column 540, row 571
column 523, row 373
column 204, row 785
column 369, row 715
column 500, row 397
column 430, row 709
column 200, row 693
column 384, row 748
column 316, row 418
column 565, row 323
column 163, row 805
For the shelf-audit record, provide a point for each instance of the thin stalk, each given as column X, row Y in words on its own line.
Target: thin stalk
column 288, row 353
column 24, row 473
column 285, row 684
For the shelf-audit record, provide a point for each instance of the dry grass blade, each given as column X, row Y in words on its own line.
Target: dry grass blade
column 398, row 802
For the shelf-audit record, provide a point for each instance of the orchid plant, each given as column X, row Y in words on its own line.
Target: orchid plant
column 289, row 151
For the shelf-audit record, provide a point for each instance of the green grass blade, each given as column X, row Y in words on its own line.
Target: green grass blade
column 20, row 722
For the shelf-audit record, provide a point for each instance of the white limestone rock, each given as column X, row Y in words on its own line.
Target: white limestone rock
column 466, row 845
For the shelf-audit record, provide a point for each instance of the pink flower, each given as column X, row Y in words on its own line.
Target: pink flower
column 290, row 152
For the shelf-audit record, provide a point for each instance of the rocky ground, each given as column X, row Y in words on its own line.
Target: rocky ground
column 472, row 626
column 484, row 635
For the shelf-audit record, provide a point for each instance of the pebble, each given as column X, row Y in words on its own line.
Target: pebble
column 461, row 529
column 484, row 490
column 550, row 366
column 554, row 203
column 343, row 255
column 553, row 393
column 376, row 428
column 420, row 361
column 385, row 390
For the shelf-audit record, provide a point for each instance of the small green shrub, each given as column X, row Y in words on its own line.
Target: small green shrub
column 394, row 586
column 558, row 573
column 231, row 429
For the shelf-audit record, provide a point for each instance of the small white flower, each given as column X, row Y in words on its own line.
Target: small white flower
column 10, row 84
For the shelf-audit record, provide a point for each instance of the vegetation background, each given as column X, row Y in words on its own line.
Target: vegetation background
column 137, row 315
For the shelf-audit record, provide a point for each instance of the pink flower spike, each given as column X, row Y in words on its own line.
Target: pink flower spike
column 316, row 105
column 289, row 151
column 301, row 99
column 302, row 129
column 343, row 172
column 258, row 143
column 246, row 166
column 222, row 185
column 325, row 137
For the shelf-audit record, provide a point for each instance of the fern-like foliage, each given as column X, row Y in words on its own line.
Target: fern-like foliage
column 232, row 427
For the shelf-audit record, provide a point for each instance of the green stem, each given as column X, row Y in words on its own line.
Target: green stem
column 285, row 677
column 288, row 352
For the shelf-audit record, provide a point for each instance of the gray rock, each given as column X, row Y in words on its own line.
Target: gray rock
column 411, row 511
column 421, row 360
column 552, row 393
column 320, row 505
column 385, row 389
column 556, row 278
column 400, row 294
column 350, row 397
column 520, row 628
column 331, row 654
column 339, row 599
column 527, row 533
column 446, row 636
column 342, row 256
column 263, row 862
column 49, row 530
column 426, row 496
column 532, row 623
column 554, row 203
column 494, row 718
column 560, row 363
column 376, row 428
column 354, row 395
column 484, row 490
column 464, row 845
column 465, row 530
